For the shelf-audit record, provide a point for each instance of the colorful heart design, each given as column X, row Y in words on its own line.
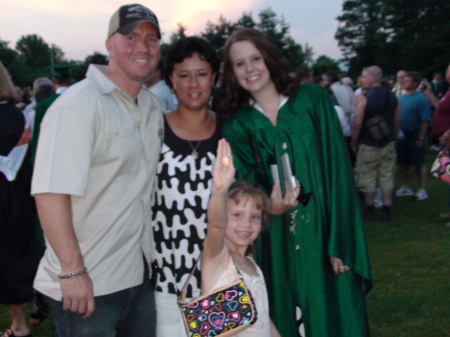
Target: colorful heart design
column 212, row 333
column 231, row 325
column 234, row 316
column 218, row 307
column 217, row 319
column 204, row 328
column 220, row 297
column 244, row 299
column 190, row 318
column 193, row 305
column 203, row 318
column 230, row 306
column 205, row 303
column 230, row 295
column 193, row 325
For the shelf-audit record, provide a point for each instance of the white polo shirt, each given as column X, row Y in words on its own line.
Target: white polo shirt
column 101, row 148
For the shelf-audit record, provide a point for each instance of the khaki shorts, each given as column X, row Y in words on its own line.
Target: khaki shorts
column 375, row 166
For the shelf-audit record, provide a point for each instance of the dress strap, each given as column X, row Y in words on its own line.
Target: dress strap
column 182, row 297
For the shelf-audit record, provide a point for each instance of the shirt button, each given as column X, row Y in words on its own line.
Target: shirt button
column 297, row 247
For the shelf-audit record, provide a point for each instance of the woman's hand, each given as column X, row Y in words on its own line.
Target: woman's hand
column 223, row 174
column 281, row 205
column 338, row 265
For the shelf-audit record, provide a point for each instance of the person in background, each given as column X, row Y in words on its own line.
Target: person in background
column 411, row 149
column 440, row 124
column 398, row 89
column 42, row 88
column 19, row 256
column 375, row 156
column 61, row 79
column 156, row 84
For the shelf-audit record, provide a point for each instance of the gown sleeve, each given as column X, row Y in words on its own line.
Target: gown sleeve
column 343, row 221
column 244, row 158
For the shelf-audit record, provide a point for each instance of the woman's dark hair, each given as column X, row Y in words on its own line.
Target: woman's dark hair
column 186, row 47
column 240, row 190
column 233, row 95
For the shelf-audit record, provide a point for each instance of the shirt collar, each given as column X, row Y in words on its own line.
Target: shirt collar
column 283, row 100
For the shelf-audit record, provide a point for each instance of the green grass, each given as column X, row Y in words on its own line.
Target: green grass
column 410, row 265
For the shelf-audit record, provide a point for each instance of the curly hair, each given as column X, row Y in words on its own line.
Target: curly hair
column 186, row 47
column 233, row 95
column 240, row 190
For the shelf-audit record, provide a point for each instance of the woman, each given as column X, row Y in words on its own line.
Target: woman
column 314, row 257
column 184, row 180
column 18, row 245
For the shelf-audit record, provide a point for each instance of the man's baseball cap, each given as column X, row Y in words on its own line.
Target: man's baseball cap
column 128, row 17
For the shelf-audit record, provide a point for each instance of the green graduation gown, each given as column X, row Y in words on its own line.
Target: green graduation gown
column 296, row 259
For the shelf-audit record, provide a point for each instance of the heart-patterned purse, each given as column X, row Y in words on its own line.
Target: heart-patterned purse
column 222, row 312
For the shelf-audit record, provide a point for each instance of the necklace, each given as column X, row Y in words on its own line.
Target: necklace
column 194, row 153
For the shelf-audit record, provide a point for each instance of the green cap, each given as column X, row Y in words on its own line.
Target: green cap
column 61, row 72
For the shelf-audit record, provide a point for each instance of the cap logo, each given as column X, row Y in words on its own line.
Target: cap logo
column 137, row 12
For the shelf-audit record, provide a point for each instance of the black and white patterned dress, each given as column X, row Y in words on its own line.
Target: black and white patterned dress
column 179, row 207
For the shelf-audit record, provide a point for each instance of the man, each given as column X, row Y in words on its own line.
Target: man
column 398, row 86
column 95, row 166
column 156, row 84
column 375, row 158
column 411, row 151
column 62, row 80
column 343, row 94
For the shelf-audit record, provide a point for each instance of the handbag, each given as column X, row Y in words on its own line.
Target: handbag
column 441, row 167
column 377, row 125
column 222, row 312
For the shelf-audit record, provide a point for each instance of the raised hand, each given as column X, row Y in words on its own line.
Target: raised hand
column 223, row 174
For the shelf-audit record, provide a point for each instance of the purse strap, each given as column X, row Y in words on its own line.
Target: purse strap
column 182, row 297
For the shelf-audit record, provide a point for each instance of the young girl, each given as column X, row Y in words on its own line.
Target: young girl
column 235, row 217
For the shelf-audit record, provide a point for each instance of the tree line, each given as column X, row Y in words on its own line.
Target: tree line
column 33, row 57
column 395, row 34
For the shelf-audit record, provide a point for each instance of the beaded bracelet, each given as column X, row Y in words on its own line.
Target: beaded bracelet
column 78, row 273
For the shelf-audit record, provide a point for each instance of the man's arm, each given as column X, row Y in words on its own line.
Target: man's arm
column 397, row 120
column 434, row 101
column 357, row 121
column 55, row 214
column 422, row 133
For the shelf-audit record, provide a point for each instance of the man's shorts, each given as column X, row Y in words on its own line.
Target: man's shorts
column 407, row 154
column 375, row 166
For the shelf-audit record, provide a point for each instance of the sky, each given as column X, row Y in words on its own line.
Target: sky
column 79, row 27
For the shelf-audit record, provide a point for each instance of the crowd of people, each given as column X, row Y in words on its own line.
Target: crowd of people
column 133, row 178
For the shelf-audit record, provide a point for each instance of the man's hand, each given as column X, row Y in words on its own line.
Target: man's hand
column 78, row 295
column 418, row 144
